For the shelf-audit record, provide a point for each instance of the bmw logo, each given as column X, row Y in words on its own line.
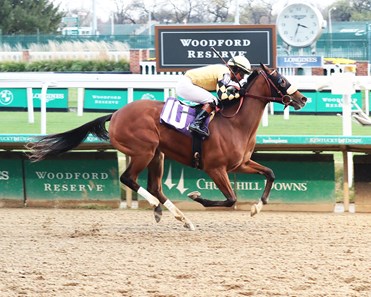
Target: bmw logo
column 6, row 97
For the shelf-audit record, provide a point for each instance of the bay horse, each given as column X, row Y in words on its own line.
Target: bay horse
column 135, row 130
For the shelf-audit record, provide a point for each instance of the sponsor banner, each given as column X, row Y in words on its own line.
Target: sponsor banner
column 105, row 99
column 11, row 177
column 55, row 98
column 151, row 94
column 74, row 176
column 13, row 98
column 327, row 102
column 314, row 139
column 182, row 47
column 300, row 61
column 115, row 99
column 299, row 179
column 17, row 98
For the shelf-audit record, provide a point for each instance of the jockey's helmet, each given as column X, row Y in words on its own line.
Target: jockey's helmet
column 240, row 62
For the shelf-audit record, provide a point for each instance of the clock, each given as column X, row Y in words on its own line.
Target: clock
column 299, row 24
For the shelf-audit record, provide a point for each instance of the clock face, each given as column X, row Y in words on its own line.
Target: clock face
column 299, row 24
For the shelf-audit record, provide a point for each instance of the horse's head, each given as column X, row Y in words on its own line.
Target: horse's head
column 283, row 89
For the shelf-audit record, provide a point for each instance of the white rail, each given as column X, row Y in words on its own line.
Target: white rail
column 130, row 82
column 44, row 81
column 65, row 55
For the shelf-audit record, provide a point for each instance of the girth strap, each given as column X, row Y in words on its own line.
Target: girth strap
column 196, row 151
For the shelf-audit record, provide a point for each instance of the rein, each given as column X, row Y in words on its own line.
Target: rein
column 274, row 99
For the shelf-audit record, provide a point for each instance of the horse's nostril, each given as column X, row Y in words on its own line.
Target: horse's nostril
column 304, row 99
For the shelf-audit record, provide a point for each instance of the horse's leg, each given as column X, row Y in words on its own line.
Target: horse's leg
column 221, row 179
column 154, row 186
column 254, row 167
column 130, row 177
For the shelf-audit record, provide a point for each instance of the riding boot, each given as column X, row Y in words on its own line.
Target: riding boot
column 198, row 124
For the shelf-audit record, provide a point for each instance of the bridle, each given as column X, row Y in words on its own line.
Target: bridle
column 285, row 99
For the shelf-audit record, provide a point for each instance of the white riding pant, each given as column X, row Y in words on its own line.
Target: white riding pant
column 188, row 91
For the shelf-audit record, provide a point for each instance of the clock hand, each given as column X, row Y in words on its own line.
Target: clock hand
column 302, row 26
column 297, row 28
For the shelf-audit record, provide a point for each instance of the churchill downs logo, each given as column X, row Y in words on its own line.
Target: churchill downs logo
column 182, row 184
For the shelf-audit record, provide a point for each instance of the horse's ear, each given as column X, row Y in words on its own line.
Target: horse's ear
column 264, row 67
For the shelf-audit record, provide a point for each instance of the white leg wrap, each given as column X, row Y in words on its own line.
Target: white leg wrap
column 256, row 208
column 148, row 196
column 178, row 214
column 172, row 208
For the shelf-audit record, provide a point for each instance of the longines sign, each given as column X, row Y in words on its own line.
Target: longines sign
column 182, row 47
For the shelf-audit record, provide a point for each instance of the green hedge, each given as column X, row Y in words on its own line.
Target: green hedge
column 65, row 66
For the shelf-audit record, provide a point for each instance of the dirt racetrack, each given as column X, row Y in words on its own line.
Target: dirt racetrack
column 59, row 252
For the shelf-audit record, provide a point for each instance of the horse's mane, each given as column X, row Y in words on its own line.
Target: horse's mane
column 252, row 77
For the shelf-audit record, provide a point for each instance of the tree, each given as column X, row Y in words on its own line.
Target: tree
column 256, row 12
column 29, row 16
column 362, row 10
column 191, row 11
column 356, row 10
column 218, row 11
column 343, row 11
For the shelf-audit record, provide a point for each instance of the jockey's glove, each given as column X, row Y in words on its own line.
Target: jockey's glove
column 242, row 91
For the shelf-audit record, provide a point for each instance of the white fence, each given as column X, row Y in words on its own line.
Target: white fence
column 44, row 81
column 130, row 82
column 65, row 55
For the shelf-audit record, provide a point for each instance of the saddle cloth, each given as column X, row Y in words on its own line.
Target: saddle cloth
column 178, row 115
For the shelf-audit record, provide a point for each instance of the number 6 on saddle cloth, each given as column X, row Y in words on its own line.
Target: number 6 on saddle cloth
column 179, row 115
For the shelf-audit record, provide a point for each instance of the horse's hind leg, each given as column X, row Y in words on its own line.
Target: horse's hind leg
column 221, row 179
column 130, row 176
column 154, row 186
column 155, row 169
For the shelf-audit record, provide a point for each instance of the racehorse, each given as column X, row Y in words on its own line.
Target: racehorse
column 135, row 130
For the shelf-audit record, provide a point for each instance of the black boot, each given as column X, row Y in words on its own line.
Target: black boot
column 197, row 125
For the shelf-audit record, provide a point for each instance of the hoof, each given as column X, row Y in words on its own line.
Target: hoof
column 157, row 211
column 189, row 226
column 255, row 209
column 194, row 195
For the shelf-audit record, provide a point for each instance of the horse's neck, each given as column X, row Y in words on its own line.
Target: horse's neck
column 251, row 113
column 255, row 106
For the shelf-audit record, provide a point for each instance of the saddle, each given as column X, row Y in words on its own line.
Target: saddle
column 179, row 116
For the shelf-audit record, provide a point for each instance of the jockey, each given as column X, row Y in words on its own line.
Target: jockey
column 196, row 85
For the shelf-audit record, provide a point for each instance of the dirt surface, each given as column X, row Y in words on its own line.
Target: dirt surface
column 55, row 252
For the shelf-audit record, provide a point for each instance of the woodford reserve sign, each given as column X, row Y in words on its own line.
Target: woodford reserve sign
column 182, row 47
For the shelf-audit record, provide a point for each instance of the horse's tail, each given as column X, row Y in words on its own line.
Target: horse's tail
column 56, row 144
